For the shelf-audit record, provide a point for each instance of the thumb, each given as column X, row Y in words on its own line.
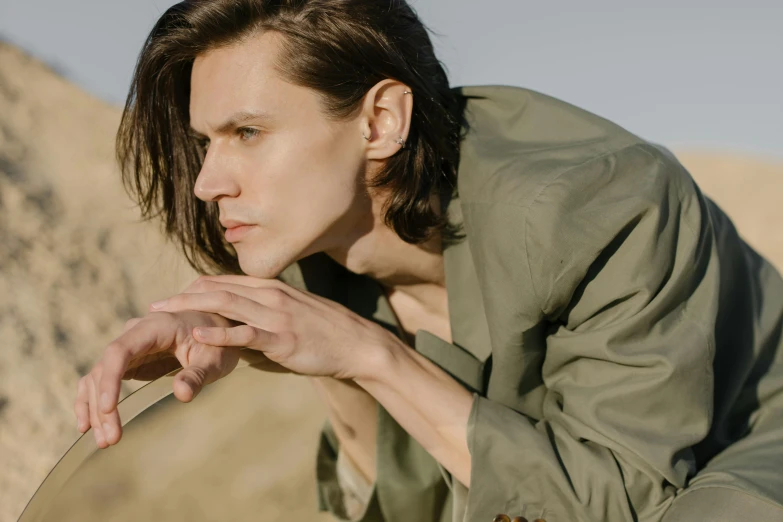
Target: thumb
column 189, row 382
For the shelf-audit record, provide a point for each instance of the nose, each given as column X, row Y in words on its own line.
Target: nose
column 215, row 180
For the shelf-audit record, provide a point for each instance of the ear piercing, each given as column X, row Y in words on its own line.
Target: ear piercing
column 399, row 140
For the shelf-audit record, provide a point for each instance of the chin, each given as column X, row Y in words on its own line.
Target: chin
column 264, row 265
column 258, row 269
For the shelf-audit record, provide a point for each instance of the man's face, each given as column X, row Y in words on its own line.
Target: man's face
column 274, row 160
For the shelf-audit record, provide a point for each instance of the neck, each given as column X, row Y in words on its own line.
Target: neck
column 413, row 273
column 416, row 271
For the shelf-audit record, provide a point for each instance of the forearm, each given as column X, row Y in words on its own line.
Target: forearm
column 353, row 415
column 427, row 402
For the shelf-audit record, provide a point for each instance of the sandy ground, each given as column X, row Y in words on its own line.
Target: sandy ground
column 75, row 264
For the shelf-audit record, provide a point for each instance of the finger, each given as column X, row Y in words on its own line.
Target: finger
column 225, row 303
column 272, row 296
column 191, row 380
column 212, row 283
column 109, row 428
column 95, row 422
column 243, row 336
column 115, row 361
column 146, row 335
column 130, row 323
column 248, row 281
column 246, row 286
column 112, row 427
column 82, row 406
column 270, row 292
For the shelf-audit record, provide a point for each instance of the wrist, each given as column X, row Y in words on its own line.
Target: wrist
column 378, row 362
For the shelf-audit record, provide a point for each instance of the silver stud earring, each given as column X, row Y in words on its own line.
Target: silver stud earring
column 407, row 92
column 365, row 137
column 400, row 141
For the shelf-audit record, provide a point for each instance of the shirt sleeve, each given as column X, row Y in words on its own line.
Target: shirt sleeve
column 623, row 269
column 341, row 489
column 356, row 489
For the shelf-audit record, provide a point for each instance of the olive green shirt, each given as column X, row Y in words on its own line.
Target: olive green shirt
column 622, row 343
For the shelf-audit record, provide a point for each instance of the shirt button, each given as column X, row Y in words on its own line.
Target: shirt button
column 502, row 518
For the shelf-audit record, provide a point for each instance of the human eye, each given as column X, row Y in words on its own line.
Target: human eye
column 247, row 133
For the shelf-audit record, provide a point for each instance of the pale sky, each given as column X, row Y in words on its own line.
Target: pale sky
column 698, row 73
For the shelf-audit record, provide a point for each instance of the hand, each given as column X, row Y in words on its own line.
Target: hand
column 303, row 332
column 148, row 348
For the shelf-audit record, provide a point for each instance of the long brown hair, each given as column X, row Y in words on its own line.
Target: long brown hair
column 340, row 49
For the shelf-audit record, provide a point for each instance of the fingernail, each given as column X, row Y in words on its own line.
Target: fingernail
column 159, row 304
column 105, row 402
column 106, row 431
column 200, row 332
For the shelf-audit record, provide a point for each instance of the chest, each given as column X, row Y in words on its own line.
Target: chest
column 412, row 317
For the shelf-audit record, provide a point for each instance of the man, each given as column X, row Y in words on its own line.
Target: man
column 591, row 339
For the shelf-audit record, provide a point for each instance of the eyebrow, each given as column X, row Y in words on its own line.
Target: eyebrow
column 234, row 121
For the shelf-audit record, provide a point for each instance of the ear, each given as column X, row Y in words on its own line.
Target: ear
column 385, row 118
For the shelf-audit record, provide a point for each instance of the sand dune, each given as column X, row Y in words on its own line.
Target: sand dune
column 75, row 264
column 749, row 190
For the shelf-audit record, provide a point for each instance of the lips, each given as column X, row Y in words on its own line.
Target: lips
column 235, row 230
column 230, row 223
column 235, row 234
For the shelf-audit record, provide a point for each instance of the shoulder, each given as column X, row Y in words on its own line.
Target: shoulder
column 633, row 214
column 559, row 189
column 520, row 141
column 524, row 148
